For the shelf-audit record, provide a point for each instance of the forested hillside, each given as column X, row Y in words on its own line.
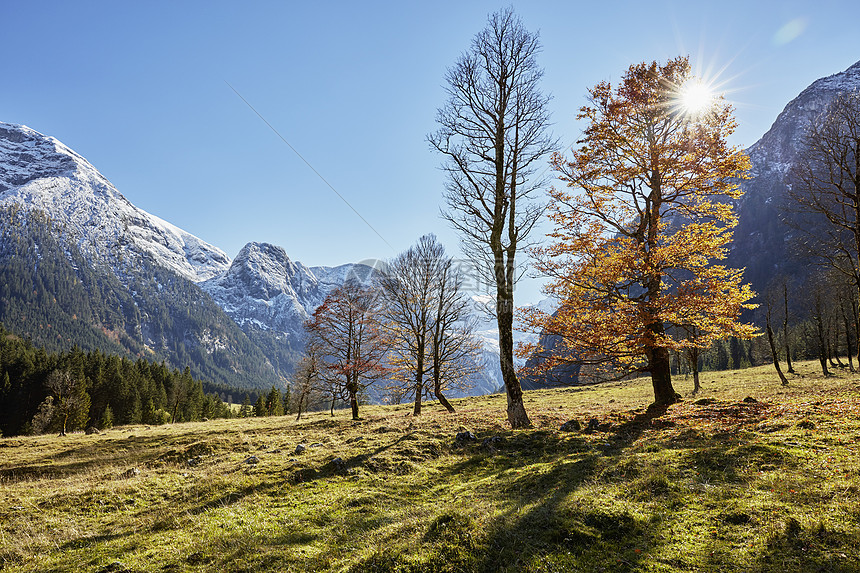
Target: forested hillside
column 50, row 292
column 39, row 391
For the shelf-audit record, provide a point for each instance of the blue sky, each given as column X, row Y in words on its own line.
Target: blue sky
column 141, row 90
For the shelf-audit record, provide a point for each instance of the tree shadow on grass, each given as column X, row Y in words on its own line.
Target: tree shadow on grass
column 541, row 527
column 545, row 526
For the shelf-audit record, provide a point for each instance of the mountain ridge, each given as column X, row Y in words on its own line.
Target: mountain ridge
column 762, row 240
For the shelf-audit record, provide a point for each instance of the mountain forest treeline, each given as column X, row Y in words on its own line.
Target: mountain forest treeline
column 74, row 390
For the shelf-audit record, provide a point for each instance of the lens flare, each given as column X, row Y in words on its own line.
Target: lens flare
column 696, row 97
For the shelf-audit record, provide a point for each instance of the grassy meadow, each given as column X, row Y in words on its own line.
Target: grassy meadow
column 746, row 476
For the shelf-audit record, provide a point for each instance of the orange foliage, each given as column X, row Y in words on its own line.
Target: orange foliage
column 641, row 226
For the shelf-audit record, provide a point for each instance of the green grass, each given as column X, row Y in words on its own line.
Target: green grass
column 731, row 485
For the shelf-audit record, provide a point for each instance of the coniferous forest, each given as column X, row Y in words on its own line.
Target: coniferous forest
column 40, row 391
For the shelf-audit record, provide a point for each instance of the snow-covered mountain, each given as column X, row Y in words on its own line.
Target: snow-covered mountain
column 778, row 148
column 133, row 282
column 82, row 265
column 761, row 239
column 39, row 172
column 264, row 289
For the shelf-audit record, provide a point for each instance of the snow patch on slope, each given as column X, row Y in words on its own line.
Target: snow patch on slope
column 39, row 172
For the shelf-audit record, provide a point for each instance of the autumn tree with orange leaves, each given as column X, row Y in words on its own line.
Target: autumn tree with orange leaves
column 640, row 228
column 347, row 334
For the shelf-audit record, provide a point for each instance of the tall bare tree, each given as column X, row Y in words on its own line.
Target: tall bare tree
column 827, row 188
column 426, row 313
column 493, row 133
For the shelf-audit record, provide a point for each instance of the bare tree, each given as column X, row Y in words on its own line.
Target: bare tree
column 306, row 378
column 352, row 343
column 408, row 288
column 44, row 415
column 769, row 303
column 426, row 312
column 848, row 308
column 493, row 134
column 71, row 401
column 456, row 352
column 691, row 353
column 826, row 193
column 785, row 336
column 816, row 300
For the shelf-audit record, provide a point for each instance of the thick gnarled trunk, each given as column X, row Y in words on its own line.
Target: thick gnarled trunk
column 661, row 376
column 660, row 366
column 353, row 399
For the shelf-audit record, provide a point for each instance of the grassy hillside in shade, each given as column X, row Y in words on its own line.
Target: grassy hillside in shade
column 747, row 476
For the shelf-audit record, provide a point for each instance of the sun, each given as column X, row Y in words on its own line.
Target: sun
column 696, row 97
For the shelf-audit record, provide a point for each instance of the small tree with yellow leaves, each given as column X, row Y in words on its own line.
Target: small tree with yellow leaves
column 640, row 228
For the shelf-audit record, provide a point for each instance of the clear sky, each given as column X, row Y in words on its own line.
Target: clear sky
column 141, row 90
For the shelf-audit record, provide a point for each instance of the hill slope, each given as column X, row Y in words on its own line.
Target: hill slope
column 756, row 477
column 762, row 240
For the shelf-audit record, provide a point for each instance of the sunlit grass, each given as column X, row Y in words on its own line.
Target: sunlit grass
column 769, row 483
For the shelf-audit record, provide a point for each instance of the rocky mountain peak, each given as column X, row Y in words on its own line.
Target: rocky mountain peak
column 761, row 239
column 264, row 271
column 777, row 148
column 39, row 173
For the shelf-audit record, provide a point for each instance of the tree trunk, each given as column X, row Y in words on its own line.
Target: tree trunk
column 661, row 377
column 517, row 415
column 775, row 355
column 416, row 411
column 822, row 358
column 693, row 363
column 437, row 382
column 442, row 400
column 829, row 347
column 353, row 402
column 855, row 311
column 301, row 399
column 419, row 382
column 839, row 362
column 332, row 406
column 659, row 362
column 785, row 329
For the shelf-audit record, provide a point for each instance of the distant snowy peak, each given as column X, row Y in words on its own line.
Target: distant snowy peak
column 265, row 289
column 362, row 272
column 778, row 147
column 263, row 271
column 39, row 172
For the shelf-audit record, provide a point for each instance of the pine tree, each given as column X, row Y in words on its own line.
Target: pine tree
column 246, row 409
column 274, row 403
column 260, row 407
column 106, row 419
